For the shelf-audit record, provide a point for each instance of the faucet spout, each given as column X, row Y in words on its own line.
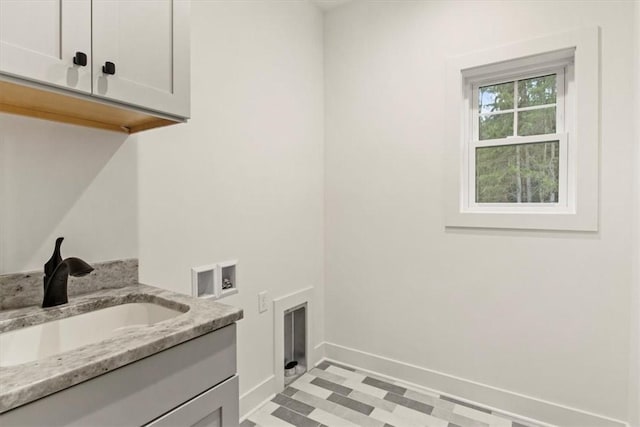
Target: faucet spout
column 55, row 280
column 77, row 267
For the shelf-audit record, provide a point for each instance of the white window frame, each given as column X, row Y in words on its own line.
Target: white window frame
column 566, row 196
column 575, row 55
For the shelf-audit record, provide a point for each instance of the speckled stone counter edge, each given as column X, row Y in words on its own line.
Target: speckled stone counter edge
column 30, row 381
column 26, row 289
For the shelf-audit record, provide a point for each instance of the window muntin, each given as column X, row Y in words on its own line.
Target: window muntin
column 517, row 152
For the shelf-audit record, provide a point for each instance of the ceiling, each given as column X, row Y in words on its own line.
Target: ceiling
column 329, row 4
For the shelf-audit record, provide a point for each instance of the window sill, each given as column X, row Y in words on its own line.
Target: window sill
column 523, row 220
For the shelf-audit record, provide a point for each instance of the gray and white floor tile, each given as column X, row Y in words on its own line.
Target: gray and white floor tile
column 339, row 396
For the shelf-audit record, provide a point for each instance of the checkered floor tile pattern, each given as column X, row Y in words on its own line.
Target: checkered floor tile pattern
column 336, row 395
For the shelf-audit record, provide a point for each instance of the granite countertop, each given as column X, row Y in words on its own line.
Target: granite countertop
column 29, row 381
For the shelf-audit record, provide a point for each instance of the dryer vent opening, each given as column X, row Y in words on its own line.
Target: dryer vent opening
column 295, row 354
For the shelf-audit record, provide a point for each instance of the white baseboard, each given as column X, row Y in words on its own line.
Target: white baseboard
column 257, row 396
column 318, row 353
column 467, row 390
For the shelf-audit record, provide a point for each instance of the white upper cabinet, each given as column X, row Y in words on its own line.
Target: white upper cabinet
column 129, row 53
column 141, row 53
column 40, row 38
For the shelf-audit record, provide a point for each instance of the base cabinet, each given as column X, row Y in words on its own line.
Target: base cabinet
column 191, row 384
column 216, row 407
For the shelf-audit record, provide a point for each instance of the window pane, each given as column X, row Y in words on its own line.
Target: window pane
column 537, row 91
column 537, row 122
column 495, row 97
column 522, row 173
column 496, row 126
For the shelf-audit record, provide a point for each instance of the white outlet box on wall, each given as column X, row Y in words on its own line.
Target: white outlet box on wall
column 228, row 278
column 204, row 281
column 215, row 280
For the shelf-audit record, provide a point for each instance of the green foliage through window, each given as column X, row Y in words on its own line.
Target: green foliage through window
column 537, row 122
column 496, row 97
column 496, row 126
column 537, row 91
column 533, row 118
column 519, row 173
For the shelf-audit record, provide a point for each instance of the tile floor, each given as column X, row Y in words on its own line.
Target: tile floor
column 336, row 395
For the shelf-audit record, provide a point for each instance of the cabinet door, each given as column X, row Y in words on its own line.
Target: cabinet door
column 39, row 39
column 147, row 41
column 216, row 407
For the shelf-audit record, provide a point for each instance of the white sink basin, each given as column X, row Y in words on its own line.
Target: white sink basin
column 47, row 339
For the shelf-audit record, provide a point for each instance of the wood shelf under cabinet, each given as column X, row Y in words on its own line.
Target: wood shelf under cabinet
column 75, row 109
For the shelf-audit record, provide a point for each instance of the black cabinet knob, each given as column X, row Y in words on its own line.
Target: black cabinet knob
column 109, row 68
column 80, row 59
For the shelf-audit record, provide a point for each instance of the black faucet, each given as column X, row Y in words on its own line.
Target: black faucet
column 56, row 275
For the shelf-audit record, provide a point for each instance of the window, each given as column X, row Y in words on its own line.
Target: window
column 522, row 140
column 518, row 144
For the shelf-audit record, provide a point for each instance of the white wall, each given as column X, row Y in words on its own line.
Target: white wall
column 64, row 180
column 545, row 314
column 244, row 178
column 634, row 368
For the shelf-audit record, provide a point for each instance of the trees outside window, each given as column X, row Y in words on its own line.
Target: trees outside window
column 515, row 144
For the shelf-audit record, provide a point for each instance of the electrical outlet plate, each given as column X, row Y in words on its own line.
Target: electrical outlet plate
column 262, row 302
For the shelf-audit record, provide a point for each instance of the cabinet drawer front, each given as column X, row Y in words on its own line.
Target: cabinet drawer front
column 139, row 392
column 144, row 47
column 39, row 39
column 218, row 406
